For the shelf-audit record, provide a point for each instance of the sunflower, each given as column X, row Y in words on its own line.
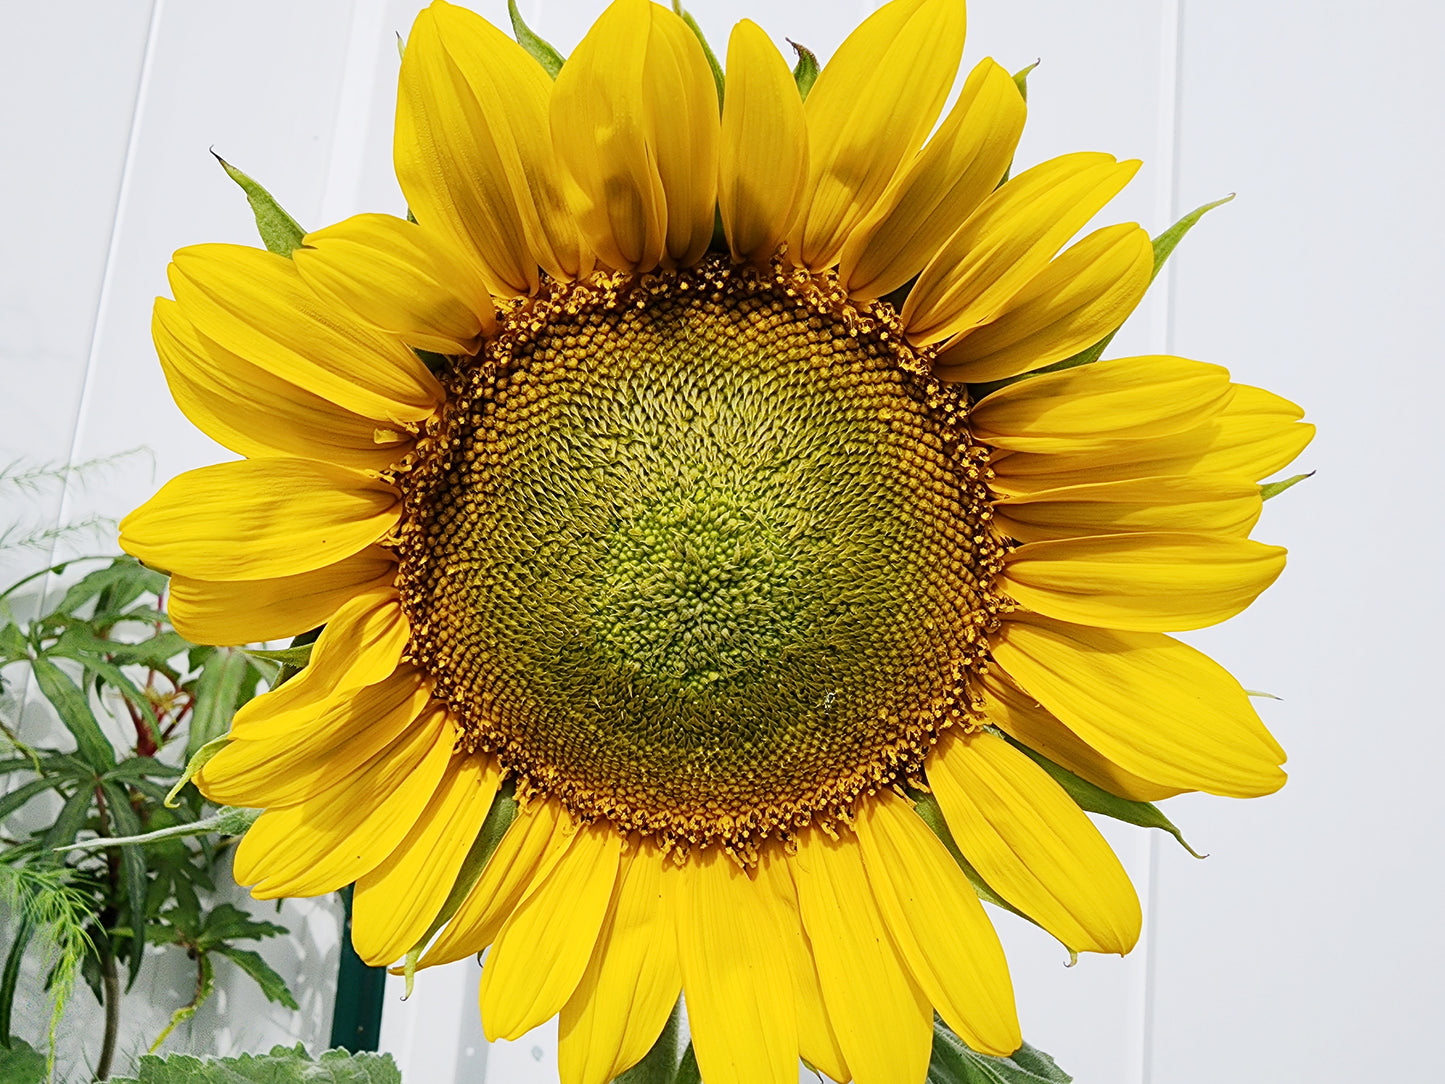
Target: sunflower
column 672, row 562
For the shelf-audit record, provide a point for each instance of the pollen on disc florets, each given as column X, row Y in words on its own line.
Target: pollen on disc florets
column 704, row 552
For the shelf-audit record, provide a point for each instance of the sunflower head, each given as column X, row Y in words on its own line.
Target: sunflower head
column 733, row 556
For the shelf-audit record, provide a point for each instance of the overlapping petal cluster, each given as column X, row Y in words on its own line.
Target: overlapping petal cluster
column 1126, row 490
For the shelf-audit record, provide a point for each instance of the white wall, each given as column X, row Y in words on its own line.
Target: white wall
column 1308, row 946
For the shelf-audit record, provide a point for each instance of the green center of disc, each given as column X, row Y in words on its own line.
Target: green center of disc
column 703, row 553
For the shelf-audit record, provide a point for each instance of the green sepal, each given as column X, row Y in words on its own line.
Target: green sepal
column 1021, row 80
column 539, row 50
column 954, row 1062
column 927, row 807
column 1274, row 489
column 1095, row 799
column 1164, row 245
column 198, row 761
column 805, row 71
column 499, row 818
column 1262, row 693
column 288, row 670
column 687, row 1070
column 297, row 655
column 226, row 821
column 717, row 71
column 279, row 232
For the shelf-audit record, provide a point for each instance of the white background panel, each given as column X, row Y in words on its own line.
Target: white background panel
column 1308, row 942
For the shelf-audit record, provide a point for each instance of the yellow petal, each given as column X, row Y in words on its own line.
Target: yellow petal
column 396, row 902
column 473, row 153
column 740, row 999
column 763, row 153
column 883, row 1020
column 1148, row 582
column 632, row 981
column 348, row 829
column 870, row 110
column 1092, row 406
column 255, row 305
column 817, row 1042
column 1067, row 307
column 1206, row 504
column 398, row 278
column 938, row 924
column 935, row 193
column 1156, row 707
column 1022, row 717
column 1032, row 844
column 635, row 123
column 531, row 846
column 545, row 944
column 259, row 519
column 1007, row 241
column 249, row 611
column 256, row 414
column 294, row 766
column 1254, row 435
column 361, row 646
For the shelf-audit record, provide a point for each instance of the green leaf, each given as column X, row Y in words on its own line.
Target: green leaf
column 21, row 1064
column 271, row 984
column 805, row 71
column 953, row 1062
column 71, row 819
column 12, row 643
column 138, row 768
column 281, row 1066
column 540, row 51
column 1095, row 799
column 1274, row 489
column 280, row 233
column 688, row 1072
column 20, row 795
column 228, row 680
column 73, row 707
column 125, row 822
column 717, row 71
column 24, row 931
column 124, row 580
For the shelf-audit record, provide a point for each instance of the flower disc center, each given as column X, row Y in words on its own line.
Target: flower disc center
column 703, row 553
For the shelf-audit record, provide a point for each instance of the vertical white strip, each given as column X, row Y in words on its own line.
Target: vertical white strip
column 107, row 281
column 1161, row 336
column 368, row 37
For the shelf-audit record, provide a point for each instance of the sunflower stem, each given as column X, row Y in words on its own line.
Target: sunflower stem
column 658, row 1065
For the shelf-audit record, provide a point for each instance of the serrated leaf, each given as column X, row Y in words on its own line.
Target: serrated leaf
column 73, row 707
column 271, row 984
column 1095, row 799
column 805, row 71
column 280, row 233
column 954, row 1062
column 1274, row 489
column 21, row 1064
column 539, row 50
column 281, row 1066
column 712, row 62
